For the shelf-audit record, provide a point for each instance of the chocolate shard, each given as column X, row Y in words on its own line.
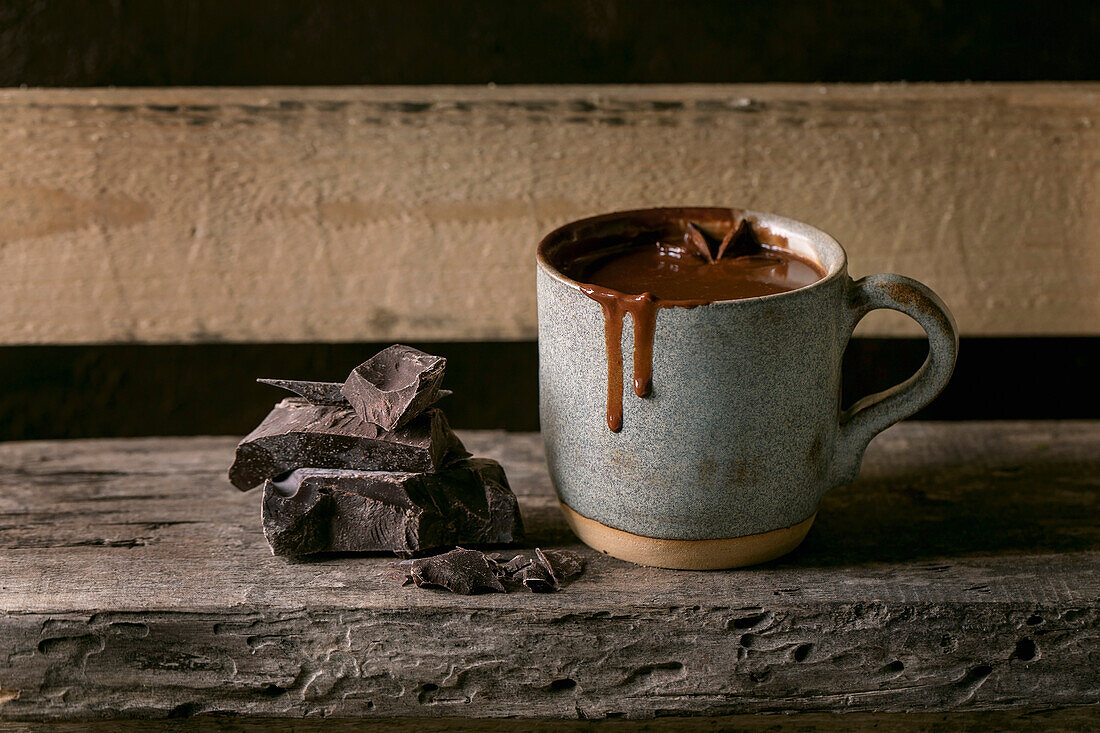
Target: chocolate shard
column 315, row 393
column 469, row 502
column 509, row 568
column 562, row 564
column 325, row 393
column 296, row 434
column 743, row 241
column 297, row 523
column 550, row 570
column 460, row 571
column 394, row 386
column 536, row 578
column 697, row 237
column 733, row 230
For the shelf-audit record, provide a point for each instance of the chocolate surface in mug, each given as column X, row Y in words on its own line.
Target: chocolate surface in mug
column 684, row 265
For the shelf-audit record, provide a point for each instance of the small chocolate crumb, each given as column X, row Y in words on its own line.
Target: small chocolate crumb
column 460, row 571
column 547, row 572
column 562, row 564
column 513, row 566
column 537, row 578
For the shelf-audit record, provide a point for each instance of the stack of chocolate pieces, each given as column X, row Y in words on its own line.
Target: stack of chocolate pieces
column 371, row 465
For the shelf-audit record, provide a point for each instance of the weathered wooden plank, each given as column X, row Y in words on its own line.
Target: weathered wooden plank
column 322, row 214
column 1057, row 720
column 959, row 573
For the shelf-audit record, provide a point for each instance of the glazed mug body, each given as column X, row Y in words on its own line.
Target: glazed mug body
column 726, row 461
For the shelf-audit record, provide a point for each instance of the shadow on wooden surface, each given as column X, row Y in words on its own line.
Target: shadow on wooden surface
column 993, row 501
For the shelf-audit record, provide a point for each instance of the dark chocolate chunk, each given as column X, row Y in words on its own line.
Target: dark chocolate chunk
column 394, row 386
column 469, row 502
column 296, row 434
column 298, row 523
column 315, row 393
column 460, row 571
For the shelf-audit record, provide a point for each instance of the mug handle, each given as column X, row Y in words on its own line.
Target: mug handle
column 874, row 413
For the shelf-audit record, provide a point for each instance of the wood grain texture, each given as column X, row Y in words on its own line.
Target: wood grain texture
column 314, row 214
column 958, row 574
column 1052, row 720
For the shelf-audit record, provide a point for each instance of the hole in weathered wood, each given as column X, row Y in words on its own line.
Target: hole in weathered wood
column 562, row 684
column 975, row 677
column 185, row 710
column 425, row 694
column 273, row 690
column 1025, row 650
column 751, row 621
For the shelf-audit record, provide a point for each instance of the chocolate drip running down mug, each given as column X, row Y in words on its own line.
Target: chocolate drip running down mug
column 725, row 461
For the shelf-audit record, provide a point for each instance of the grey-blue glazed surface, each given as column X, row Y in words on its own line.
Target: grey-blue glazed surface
column 743, row 432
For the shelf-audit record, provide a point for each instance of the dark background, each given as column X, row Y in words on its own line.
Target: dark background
column 108, row 390
column 259, row 42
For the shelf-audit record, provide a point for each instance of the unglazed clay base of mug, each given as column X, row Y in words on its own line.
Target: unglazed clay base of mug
column 719, row 554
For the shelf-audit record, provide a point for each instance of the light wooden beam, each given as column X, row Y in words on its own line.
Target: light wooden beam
column 331, row 214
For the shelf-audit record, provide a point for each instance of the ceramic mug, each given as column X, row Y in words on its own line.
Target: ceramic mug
column 727, row 460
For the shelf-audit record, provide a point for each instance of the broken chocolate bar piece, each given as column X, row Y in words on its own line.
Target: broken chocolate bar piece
column 460, row 571
column 325, row 393
column 562, row 564
column 296, row 434
column 315, row 393
column 469, row 502
column 394, row 386
column 298, row 522
column 536, row 577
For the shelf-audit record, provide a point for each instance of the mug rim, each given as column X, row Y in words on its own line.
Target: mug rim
column 786, row 227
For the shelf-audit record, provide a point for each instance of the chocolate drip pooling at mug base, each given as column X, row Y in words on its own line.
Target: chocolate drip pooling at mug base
column 643, row 273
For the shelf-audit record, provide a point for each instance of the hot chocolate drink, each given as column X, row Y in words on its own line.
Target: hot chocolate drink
column 681, row 266
column 724, row 459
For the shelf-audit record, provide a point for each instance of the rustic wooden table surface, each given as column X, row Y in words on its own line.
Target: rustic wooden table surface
column 960, row 573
